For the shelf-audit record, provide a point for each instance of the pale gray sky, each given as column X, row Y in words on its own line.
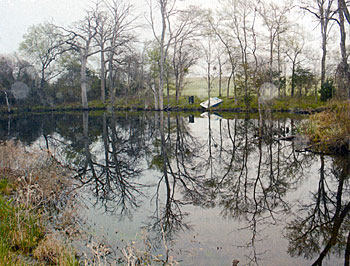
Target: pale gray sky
column 17, row 15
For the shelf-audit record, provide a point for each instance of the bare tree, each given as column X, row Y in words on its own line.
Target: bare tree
column 293, row 49
column 221, row 60
column 81, row 38
column 184, row 50
column 275, row 19
column 208, row 49
column 240, row 17
column 209, row 58
column 343, row 75
column 42, row 45
column 167, row 11
column 102, row 36
column 120, row 35
column 228, row 41
column 324, row 11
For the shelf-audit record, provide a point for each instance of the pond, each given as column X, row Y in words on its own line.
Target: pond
column 205, row 190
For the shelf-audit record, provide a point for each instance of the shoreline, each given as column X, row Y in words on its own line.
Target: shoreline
column 170, row 109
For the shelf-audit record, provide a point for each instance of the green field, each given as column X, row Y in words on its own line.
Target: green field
column 197, row 86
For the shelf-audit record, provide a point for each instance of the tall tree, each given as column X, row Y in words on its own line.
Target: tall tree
column 121, row 25
column 101, row 37
column 240, row 17
column 275, row 20
column 221, row 62
column 81, row 38
column 208, row 47
column 294, row 46
column 343, row 74
column 167, row 10
column 324, row 11
column 210, row 60
column 42, row 45
column 184, row 50
column 228, row 41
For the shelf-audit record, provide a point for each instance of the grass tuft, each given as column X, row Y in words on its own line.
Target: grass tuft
column 52, row 251
column 330, row 130
column 31, row 186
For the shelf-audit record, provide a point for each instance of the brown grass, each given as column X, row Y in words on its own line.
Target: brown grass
column 53, row 251
column 39, row 188
column 330, row 129
column 38, row 191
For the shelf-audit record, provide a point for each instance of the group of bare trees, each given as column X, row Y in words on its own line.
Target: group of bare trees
column 106, row 29
column 264, row 41
column 242, row 43
column 175, row 42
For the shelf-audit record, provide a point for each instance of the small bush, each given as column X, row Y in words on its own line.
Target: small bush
column 327, row 90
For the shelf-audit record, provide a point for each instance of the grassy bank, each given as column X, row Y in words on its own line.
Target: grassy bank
column 288, row 104
column 39, row 217
column 31, row 185
column 329, row 131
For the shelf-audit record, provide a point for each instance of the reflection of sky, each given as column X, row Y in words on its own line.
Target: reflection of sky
column 214, row 240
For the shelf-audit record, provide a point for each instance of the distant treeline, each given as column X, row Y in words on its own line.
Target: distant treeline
column 241, row 45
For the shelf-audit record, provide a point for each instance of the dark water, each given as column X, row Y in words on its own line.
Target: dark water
column 213, row 190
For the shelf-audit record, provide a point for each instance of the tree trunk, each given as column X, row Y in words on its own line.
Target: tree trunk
column 228, row 85
column 168, row 90
column 235, row 88
column 156, row 97
column 293, row 80
column 279, row 64
column 271, row 57
column 178, row 84
column 181, row 80
column 111, row 88
column 285, row 81
column 176, row 73
column 220, row 81
column 343, row 69
column 162, row 56
column 177, row 95
column 324, row 52
column 342, row 35
column 103, row 80
column 83, row 81
column 161, row 85
column 7, row 102
column 220, row 76
column 209, row 82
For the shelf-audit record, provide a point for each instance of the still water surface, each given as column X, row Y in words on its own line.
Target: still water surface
column 215, row 189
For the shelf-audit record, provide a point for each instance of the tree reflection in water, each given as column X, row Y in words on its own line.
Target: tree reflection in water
column 181, row 177
column 258, row 173
column 114, row 174
column 237, row 166
column 107, row 159
column 322, row 226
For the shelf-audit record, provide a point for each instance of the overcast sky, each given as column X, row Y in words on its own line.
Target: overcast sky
column 17, row 15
